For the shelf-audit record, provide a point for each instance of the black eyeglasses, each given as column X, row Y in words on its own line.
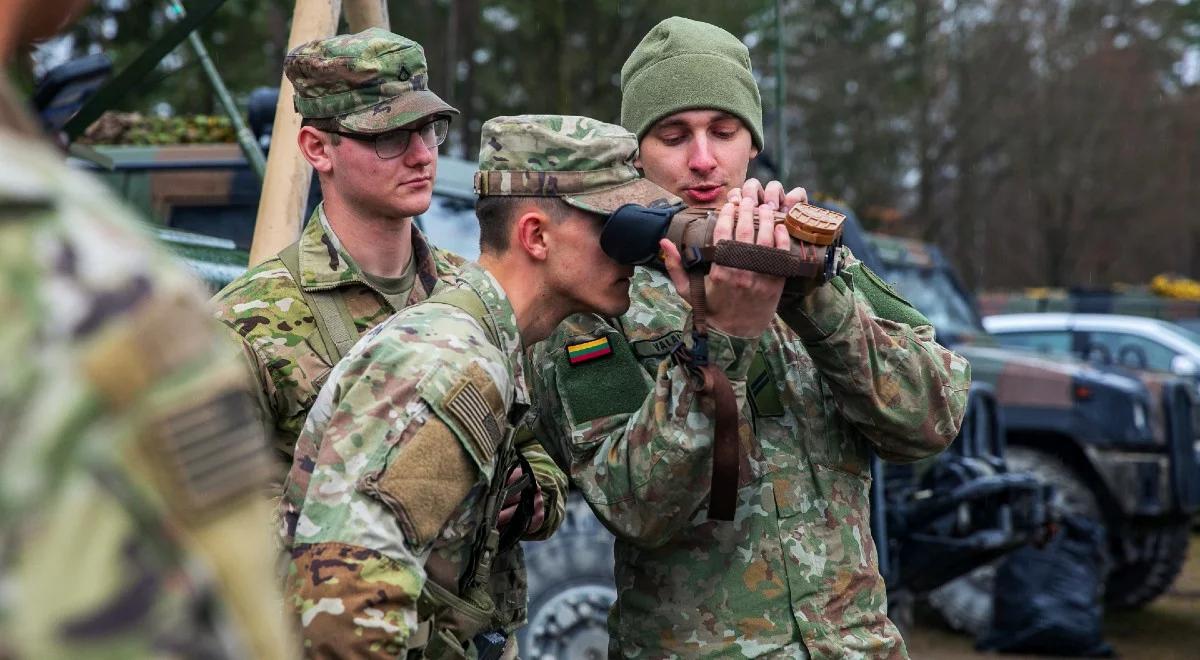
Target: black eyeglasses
column 394, row 143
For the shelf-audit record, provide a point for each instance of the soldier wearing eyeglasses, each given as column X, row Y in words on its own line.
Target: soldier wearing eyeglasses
column 370, row 129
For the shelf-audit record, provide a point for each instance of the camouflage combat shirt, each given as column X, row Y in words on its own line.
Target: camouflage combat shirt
column 275, row 326
column 130, row 522
column 385, row 495
column 280, row 347
column 795, row 574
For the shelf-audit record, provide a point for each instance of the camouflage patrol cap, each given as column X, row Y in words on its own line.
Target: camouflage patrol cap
column 370, row 82
column 586, row 163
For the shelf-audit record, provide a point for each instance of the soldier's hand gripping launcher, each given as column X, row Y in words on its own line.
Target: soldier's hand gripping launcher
column 632, row 233
column 631, row 236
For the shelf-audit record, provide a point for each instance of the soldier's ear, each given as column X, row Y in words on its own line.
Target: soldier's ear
column 315, row 146
column 530, row 232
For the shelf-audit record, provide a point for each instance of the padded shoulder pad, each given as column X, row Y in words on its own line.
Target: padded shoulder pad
column 884, row 300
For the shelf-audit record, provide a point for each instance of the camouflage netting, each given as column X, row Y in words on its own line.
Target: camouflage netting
column 133, row 128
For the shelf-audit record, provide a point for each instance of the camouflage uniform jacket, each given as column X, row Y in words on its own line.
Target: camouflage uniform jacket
column 115, row 541
column 396, row 459
column 796, row 573
column 266, row 310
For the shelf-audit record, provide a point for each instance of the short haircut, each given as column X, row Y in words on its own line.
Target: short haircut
column 497, row 213
column 334, row 138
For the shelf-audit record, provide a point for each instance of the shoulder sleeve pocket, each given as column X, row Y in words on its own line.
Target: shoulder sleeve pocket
column 426, row 480
column 886, row 303
column 608, row 385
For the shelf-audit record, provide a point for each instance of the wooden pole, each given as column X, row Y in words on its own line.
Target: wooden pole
column 285, row 187
column 362, row 14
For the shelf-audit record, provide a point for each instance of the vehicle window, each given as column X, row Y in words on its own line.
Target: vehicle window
column 1129, row 351
column 451, row 225
column 1051, row 342
column 1189, row 329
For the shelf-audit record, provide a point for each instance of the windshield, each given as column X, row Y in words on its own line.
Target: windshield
column 936, row 296
column 1187, row 331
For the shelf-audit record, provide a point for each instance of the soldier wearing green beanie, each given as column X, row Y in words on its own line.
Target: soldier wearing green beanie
column 688, row 65
column 795, row 573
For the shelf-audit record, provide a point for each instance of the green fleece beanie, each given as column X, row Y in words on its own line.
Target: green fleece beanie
column 683, row 64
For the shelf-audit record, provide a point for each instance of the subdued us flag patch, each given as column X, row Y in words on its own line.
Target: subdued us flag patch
column 212, row 452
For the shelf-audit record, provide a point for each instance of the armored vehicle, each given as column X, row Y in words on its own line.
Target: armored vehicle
column 1119, row 446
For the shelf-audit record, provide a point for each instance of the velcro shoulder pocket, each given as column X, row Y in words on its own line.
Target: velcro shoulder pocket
column 886, row 303
column 609, row 385
column 426, row 480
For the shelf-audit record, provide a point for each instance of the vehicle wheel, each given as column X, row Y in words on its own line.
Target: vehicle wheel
column 966, row 603
column 571, row 589
column 1160, row 555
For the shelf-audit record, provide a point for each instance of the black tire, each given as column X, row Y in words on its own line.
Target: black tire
column 1160, row 554
column 965, row 604
column 571, row 589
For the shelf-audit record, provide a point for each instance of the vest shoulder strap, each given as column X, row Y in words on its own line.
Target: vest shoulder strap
column 335, row 324
column 468, row 301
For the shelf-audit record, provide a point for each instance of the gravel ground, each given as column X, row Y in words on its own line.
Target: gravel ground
column 1167, row 629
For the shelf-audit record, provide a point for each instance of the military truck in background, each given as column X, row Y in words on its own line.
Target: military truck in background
column 932, row 524
column 1119, row 446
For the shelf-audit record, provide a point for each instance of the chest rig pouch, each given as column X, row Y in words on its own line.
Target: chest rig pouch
column 453, row 622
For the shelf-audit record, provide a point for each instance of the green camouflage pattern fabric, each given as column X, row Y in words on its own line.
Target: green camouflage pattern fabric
column 358, row 567
column 275, row 329
column 370, row 82
column 274, row 325
column 795, row 574
column 588, row 163
column 114, row 543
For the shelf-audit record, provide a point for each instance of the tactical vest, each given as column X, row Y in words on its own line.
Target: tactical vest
column 448, row 621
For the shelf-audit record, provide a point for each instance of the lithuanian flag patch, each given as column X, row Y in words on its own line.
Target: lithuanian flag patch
column 588, row 351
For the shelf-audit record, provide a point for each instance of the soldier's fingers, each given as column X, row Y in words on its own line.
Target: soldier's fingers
column 744, row 231
column 795, row 196
column 773, row 195
column 517, row 473
column 674, row 266
column 723, row 230
column 753, row 189
column 506, row 516
column 734, row 195
column 783, row 240
column 766, row 225
column 539, row 514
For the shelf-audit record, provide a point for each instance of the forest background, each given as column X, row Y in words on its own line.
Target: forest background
column 1037, row 142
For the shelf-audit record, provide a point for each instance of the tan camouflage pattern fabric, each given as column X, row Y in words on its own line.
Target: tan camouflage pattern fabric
column 274, row 326
column 588, row 163
column 795, row 574
column 364, row 546
column 115, row 541
column 275, row 329
column 370, row 82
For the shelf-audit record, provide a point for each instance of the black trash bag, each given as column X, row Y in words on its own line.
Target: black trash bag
column 1050, row 601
